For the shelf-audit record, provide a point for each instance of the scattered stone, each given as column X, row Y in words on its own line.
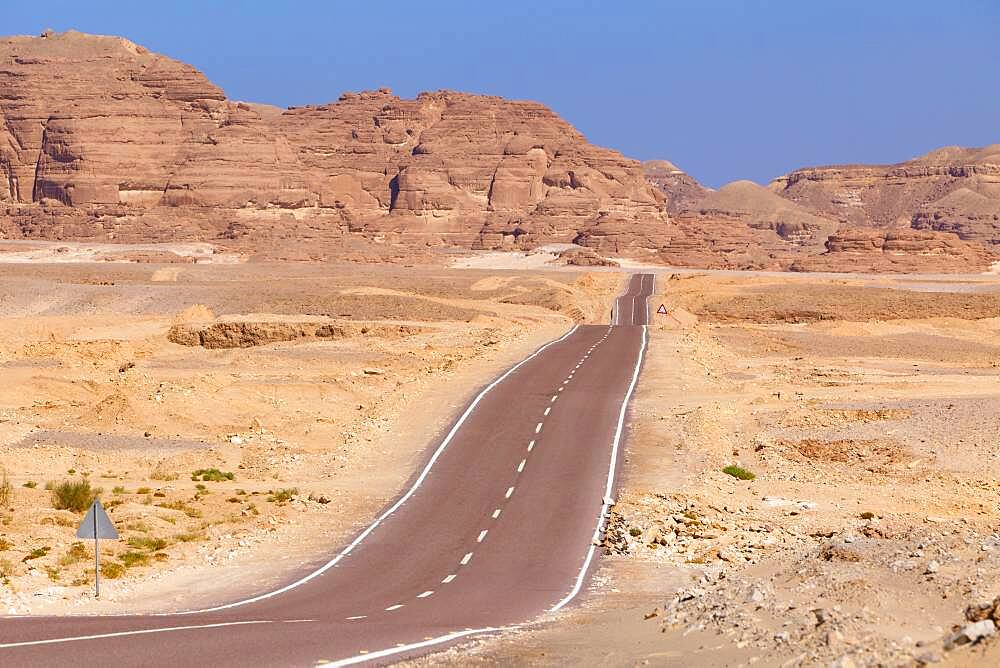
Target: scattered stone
column 971, row 634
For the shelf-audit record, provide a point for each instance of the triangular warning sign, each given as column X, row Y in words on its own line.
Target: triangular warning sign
column 96, row 524
column 662, row 310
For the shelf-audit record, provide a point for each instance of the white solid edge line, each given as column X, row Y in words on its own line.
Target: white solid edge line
column 118, row 634
column 403, row 499
column 578, row 584
column 362, row 658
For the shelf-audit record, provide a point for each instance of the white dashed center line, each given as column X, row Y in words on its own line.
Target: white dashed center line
column 510, row 492
column 547, row 410
column 531, row 446
column 449, row 579
column 425, row 594
column 538, row 427
column 466, row 559
column 553, row 399
column 520, row 467
column 394, row 607
column 562, row 388
column 482, row 535
column 355, row 617
column 496, row 513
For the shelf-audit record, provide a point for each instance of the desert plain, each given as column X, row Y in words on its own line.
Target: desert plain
column 240, row 420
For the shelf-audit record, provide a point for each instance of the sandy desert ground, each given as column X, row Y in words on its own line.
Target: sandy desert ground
column 868, row 410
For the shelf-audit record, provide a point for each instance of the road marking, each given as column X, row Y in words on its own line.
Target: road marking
column 553, row 399
column 394, row 607
column 561, row 388
column 510, row 491
column 119, row 634
column 547, row 410
column 449, row 579
column 496, row 513
column 520, row 467
column 538, row 427
column 615, row 444
column 425, row 594
column 355, row 617
column 482, row 535
column 466, row 559
column 400, row 501
column 381, row 654
column 531, row 446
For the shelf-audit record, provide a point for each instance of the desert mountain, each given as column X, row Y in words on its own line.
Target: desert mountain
column 103, row 140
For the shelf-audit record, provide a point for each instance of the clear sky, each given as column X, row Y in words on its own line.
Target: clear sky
column 725, row 90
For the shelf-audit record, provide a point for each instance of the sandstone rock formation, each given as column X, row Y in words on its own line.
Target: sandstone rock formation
column 682, row 191
column 102, row 139
column 940, row 212
column 886, row 195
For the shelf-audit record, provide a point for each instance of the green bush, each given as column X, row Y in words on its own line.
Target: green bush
column 118, row 490
column 212, row 475
column 112, row 570
column 283, row 495
column 31, row 484
column 76, row 496
column 738, row 472
column 131, row 559
column 147, row 543
column 37, row 553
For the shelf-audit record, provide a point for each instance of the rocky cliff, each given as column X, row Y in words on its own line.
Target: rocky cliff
column 100, row 138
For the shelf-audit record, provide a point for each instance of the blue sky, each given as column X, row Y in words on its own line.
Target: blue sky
column 725, row 90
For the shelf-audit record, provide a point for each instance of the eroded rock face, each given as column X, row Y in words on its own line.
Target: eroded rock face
column 890, row 195
column 99, row 138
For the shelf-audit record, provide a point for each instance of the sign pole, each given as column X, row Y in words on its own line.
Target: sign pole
column 97, row 560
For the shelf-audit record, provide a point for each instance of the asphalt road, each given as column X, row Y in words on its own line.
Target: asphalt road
column 495, row 530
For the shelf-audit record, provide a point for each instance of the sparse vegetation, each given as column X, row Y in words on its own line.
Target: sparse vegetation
column 867, row 515
column 739, row 472
column 283, row 495
column 111, row 569
column 143, row 490
column 189, row 536
column 6, row 489
column 31, row 484
column 117, row 491
column 132, row 559
column 181, row 506
column 148, row 543
column 37, row 553
column 5, row 544
column 77, row 553
column 76, row 496
column 212, row 475
column 6, row 568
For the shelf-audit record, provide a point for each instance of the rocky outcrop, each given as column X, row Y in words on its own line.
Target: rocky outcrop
column 903, row 250
column 970, row 215
column 890, row 195
column 102, row 139
column 683, row 192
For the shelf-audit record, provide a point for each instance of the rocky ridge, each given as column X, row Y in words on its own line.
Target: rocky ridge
column 102, row 139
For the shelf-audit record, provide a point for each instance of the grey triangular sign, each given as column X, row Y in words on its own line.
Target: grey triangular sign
column 96, row 523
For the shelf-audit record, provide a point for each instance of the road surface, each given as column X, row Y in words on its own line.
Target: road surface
column 498, row 528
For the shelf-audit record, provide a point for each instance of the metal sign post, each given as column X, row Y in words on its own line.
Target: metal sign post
column 96, row 524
